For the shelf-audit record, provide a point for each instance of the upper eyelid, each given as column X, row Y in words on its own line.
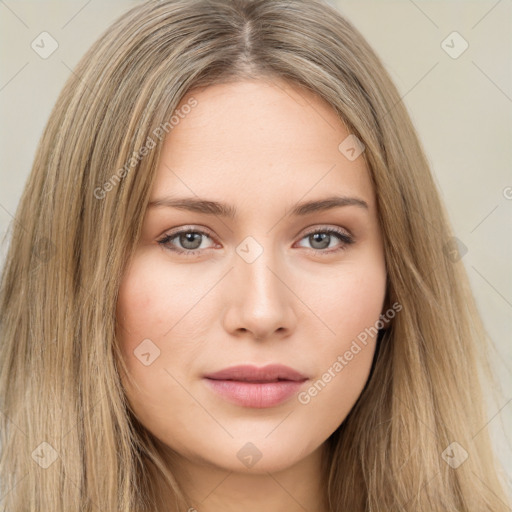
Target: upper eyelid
column 187, row 229
column 314, row 229
column 203, row 230
column 310, row 230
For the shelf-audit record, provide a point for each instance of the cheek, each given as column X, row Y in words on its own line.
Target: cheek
column 157, row 301
column 141, row 303
column 346, row 301
column 345, row 352
column 360, row 302
column 141, row 320
column 159, row 329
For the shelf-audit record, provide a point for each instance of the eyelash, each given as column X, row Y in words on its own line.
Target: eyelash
column 341, row 235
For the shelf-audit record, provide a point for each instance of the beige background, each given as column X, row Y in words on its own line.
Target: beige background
column 461, row 107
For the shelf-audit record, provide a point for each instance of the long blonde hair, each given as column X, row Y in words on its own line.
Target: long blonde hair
column 69, row 438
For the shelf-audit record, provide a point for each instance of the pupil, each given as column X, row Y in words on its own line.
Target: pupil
column 322, row 238
column 189, row 239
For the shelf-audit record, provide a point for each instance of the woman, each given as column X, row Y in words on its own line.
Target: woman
column 317, row 350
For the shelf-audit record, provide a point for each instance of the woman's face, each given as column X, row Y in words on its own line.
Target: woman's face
column 261, row 281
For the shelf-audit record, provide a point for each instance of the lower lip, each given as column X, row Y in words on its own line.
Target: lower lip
column 257, row 395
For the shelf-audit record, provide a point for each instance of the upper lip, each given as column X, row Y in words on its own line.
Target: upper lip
column 269, row 373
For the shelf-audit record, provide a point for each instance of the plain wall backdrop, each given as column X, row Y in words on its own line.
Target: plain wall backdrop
column 456, row 87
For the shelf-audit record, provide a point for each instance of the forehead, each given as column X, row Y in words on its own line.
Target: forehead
column 258, row 139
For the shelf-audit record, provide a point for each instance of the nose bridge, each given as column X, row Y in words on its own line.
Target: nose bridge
column 256, row 267
column 260, row 300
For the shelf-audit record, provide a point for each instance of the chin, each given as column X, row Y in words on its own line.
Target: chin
column 254, row 457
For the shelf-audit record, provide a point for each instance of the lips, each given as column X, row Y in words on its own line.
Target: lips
column 247, row 373
column 249, row 386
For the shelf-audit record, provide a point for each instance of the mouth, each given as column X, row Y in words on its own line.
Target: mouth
column 249, row 386
column 248, row 373
column 255, row 381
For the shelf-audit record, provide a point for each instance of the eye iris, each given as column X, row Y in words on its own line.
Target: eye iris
column 188, row 238
column 322, row 238
column 191, row 240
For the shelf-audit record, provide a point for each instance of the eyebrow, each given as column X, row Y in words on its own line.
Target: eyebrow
column 209, row 207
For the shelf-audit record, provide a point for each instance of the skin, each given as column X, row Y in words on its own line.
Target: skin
column 261, row 147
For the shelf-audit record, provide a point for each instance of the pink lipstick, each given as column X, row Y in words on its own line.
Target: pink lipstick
column 250, row 386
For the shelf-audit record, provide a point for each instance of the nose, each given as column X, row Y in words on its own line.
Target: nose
column 260, row 299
